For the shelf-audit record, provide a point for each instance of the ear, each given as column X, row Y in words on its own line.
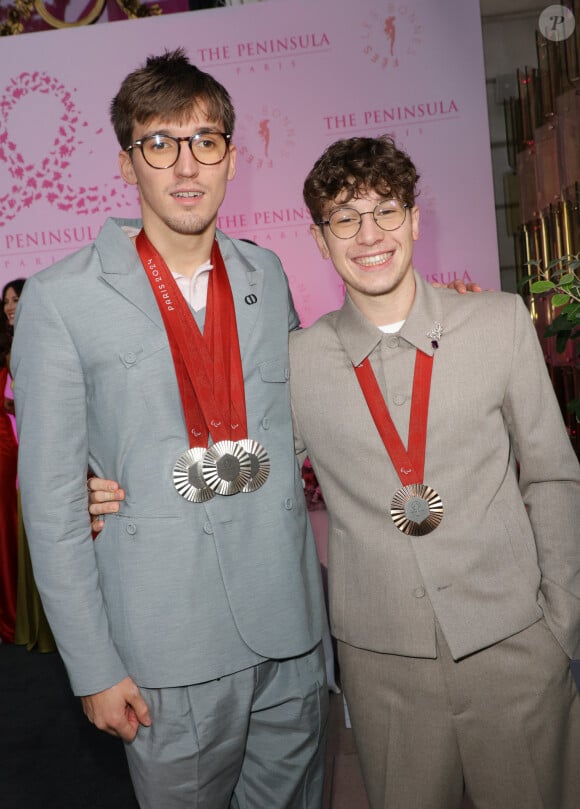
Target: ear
column 232, row 166
column 415, row 222
column 126, row 168
column 318, row 235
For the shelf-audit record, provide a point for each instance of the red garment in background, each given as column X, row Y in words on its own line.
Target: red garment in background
column 8, row 519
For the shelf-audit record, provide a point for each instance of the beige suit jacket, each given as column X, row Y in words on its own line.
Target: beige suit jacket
column 508, row 547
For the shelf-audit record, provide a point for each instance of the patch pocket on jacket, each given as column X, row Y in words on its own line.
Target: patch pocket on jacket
column 274, row 371
column 134, row 354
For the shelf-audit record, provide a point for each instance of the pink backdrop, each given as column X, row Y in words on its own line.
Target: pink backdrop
column 302, row 74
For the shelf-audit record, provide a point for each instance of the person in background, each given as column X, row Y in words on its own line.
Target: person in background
column 8, row 466
column 19, row 598
column 453, row 495
column 191, row 627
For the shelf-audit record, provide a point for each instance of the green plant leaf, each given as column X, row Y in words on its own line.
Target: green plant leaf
column 571, row 311
column 569, row 278
column 560, row 322
column 574, row 407
column 562, row 341
column 560, row 300
column 558, row 333
column 542, row 286
column 559, row 326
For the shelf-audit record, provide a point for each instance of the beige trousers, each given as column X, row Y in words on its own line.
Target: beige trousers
column 503, row 725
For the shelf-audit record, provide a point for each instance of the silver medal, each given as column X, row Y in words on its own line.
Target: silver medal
column 260, row 464
column 188, row 476
column 416, row 509
column 226, row 467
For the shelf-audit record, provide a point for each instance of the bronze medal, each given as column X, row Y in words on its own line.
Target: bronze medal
column 416, row 509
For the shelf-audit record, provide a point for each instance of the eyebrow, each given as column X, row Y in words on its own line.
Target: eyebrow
column 200, row 131
column 351, row 207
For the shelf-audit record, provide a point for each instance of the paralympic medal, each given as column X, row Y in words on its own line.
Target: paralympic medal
column 188, row 476
column 259, row 464
column 210, row 377
column 226, row 467
column 416, row 509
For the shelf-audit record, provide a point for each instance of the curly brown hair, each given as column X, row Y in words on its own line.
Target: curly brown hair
column 355, row 166
column 168, row 87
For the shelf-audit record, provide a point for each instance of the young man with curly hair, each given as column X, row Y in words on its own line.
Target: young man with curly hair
column 453, row 496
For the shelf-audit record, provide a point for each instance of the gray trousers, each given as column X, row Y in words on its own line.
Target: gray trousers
column 503, row 724
column 252, row 740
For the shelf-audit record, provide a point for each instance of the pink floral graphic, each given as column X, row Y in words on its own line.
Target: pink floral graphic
column 51, row 179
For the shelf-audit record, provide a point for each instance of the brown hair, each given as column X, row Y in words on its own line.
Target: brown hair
column 349, row 168
column 168, row 87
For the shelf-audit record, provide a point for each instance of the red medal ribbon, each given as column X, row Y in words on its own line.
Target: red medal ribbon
column 208, row 366
column 409, row 463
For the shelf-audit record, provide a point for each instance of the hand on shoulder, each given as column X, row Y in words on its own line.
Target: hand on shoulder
column 459, row 286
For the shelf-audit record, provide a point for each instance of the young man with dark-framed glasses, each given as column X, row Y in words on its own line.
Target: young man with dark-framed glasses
column 453, row 495
column 158, row 356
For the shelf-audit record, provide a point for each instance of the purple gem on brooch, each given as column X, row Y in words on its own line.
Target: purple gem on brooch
column 435, row 335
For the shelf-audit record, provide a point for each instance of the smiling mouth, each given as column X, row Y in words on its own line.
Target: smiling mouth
column 186, row 194
column 374, row 261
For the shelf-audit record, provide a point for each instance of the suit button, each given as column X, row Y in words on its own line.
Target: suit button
column 208, row 528
column 266, row 423
column 393, row 342
column 131, row 528
column 399, row 398
column 288, row 503
column 130, row 358
column 419, row 592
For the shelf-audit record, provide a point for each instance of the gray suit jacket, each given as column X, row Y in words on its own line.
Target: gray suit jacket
column 507, row 550
column 171, row 592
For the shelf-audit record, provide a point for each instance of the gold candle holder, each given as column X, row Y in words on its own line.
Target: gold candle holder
column 565, row 218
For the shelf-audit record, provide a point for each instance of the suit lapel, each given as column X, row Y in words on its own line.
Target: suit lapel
column 122, row 269
column 247, row 283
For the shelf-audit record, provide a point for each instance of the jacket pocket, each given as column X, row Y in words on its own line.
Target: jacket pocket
column 276, row 370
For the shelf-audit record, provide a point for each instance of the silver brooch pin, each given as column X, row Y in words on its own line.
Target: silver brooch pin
column 435, row 334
